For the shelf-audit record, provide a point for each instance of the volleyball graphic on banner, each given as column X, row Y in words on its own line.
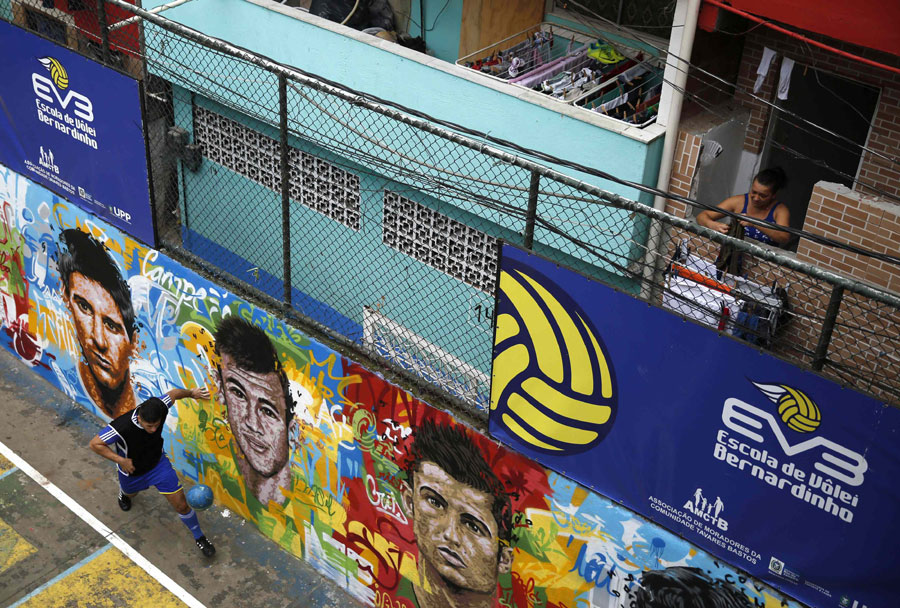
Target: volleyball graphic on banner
column 553, row 386
column 795, row 408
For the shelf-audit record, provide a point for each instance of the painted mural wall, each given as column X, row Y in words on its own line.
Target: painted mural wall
column 386, row 495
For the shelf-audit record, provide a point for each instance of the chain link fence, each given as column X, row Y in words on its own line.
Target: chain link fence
column 380, row 228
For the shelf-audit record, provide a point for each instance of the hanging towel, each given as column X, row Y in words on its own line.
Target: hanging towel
column 632, row 73
column 613, row 103
column 763, row 69
column 784, row 81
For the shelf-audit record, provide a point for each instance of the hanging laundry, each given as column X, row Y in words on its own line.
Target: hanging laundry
column 784, row 80
column 632, row 73
column 763, row 69
column 615, row 103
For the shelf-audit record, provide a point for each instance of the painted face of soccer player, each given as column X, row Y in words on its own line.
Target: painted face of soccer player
column 257, row 416
column 101, row 331
column 456, row 531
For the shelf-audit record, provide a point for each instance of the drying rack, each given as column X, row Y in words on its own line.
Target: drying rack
column 557, row 61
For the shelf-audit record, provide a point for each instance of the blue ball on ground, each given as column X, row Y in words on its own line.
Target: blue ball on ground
column 200, row 497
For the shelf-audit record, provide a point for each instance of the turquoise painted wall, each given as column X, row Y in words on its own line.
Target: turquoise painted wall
column 331, row 263
column 443, row 23
column 336, row 270
column 443, row 95
column 359, row 270
column 379, row 140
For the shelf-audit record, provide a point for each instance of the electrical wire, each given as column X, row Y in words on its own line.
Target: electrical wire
column 440, row 189
column 787, row 119
column 600, row 253
column 666, row 52
column 810, row 236
column 592, row 171
column 434, row 23
column 803, row 38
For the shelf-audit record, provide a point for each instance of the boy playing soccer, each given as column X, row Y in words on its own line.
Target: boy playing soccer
column 137, row 438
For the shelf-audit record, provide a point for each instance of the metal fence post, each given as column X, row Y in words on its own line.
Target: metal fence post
column 285, row 187
column 104, row 30
column 834, row 306
column 532, row 209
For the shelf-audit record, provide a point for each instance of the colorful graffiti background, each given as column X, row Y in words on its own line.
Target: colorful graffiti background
column 380, row 492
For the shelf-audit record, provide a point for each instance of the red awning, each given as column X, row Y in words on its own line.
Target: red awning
column 873, row 24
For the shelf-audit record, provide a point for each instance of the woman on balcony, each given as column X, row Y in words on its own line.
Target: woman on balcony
column 760, row 203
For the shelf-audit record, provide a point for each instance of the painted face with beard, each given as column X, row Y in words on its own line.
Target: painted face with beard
column 101, row 332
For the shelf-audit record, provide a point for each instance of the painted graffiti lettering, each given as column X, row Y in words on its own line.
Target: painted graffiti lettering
column 592, row 570
column 384, row 600
column 384, row 501
column 321, row 498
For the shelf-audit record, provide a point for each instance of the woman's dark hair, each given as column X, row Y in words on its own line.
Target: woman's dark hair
column 773, row 178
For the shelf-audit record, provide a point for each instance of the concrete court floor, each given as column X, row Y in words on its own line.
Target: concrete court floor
column 49, row 557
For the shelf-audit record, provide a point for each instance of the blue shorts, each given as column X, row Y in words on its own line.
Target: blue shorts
column 162, row 476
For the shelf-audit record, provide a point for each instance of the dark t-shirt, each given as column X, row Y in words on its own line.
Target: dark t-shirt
column 132, row 441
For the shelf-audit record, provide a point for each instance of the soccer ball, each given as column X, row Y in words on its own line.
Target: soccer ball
column 200, row 497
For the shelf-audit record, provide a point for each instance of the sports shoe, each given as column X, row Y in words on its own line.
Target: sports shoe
column 206, row 547
column 124, row 502
column 604, row 53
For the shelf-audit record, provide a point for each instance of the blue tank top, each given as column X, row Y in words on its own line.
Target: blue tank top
column 755, row 233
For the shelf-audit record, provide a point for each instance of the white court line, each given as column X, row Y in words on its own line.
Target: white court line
column 114, row 539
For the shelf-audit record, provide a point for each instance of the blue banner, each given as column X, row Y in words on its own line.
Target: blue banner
column 76, row 127
column 777, row 470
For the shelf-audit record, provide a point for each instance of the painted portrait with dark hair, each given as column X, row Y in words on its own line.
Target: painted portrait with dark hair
column 99, row 300
column 682, row 586
column 461, row 516
column 254, row 389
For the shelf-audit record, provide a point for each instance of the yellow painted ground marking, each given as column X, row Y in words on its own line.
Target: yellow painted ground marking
column 13, row 548
column 111, row 580
column 5, row 465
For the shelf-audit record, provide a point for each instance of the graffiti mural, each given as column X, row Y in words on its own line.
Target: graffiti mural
column 390, row 497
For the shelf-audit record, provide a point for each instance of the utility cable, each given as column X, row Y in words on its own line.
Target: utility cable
column 664, row 51
column 576, row 166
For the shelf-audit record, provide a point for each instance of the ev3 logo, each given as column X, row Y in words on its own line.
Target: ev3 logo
column 46, row 160
column 845, row 603
column 776, row 565
column 59, row 81
column 706, row 509
column 755, row 423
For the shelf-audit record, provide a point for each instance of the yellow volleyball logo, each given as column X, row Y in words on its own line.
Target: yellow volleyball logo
column 553, row 387
column 57, row 72
column 796, row 409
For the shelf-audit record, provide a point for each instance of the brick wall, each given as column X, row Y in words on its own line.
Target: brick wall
column 684, row 169
column 867, row 333
column 852, row 217
column 885, row 133
column 864, row 346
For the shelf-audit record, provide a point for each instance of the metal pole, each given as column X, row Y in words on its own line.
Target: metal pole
column 285, row 187
column 834, row 306
column 670, row 104
column 104, row 30
column 532, row 209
